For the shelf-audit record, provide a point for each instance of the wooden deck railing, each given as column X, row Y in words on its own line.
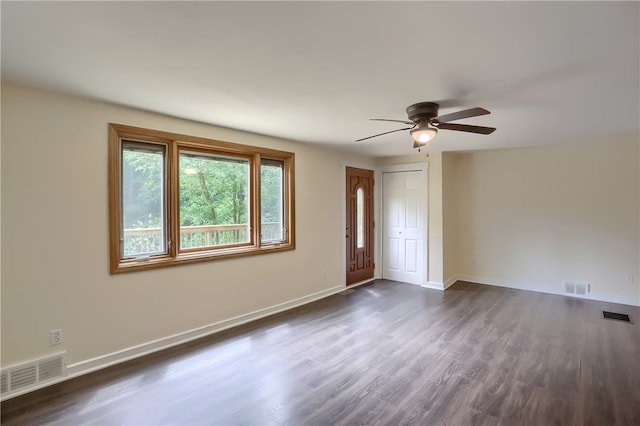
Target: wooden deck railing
column 149, row 240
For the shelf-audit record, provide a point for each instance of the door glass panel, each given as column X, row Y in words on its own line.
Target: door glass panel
column 360, row 218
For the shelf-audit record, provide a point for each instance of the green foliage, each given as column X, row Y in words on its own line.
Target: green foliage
column 142, row 189
column 271, row 192
column 213, row 191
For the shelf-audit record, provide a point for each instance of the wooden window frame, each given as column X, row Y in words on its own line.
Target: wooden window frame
column 174, row 143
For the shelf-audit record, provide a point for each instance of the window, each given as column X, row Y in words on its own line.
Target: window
column 272, row 200
column 214, row 207
column 143, row 195
column 177, row 199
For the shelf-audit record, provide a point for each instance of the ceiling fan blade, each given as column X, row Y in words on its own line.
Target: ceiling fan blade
column 467, row 128
column 466, row 113
column 385, row 133
column 395, row 121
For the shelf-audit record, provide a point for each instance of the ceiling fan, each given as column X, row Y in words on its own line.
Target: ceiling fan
column 425, row 122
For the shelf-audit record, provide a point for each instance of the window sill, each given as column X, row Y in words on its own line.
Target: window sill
column 154, row 262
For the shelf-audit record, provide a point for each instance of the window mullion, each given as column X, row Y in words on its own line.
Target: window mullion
column 289, row 200
column 173, row 200
column 256, row 226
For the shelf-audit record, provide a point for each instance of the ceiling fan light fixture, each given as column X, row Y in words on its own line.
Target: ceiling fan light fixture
column 423, row 134
column 426, row 122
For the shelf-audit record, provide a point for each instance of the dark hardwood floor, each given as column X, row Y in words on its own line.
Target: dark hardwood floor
column 383, row 353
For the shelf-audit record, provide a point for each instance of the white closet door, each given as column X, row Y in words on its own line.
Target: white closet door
column 404, row 220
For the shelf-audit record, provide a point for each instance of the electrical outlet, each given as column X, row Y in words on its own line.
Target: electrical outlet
column 55, row 337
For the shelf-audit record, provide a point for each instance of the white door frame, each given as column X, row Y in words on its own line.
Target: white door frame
column 410, row 167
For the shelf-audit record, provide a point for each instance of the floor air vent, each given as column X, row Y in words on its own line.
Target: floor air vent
column 24, row 376
column 616, row 316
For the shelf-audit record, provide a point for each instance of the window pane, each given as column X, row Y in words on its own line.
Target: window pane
column 144, row 230
column 360, row 218
column 272, row 200
column 214, row 200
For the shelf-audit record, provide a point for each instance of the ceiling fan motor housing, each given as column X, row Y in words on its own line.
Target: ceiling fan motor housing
column 422, row 111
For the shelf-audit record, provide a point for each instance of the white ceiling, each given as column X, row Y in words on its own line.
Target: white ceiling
column 550, row 72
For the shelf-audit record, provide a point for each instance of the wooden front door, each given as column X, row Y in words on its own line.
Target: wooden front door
column 360, row 261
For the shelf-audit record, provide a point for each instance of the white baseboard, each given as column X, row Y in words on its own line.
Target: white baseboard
column 107, row 360
column 363, row 282
column 434, row 285
column 451, row 281
column 498, row 282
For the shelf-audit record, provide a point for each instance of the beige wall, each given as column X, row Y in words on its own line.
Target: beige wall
column 449, row 217
column 533, row 218
column 55, row 269
column 525, row 218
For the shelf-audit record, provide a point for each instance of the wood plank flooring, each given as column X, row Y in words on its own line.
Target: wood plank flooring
column 385, row 353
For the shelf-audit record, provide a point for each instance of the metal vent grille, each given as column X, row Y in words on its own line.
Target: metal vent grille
column 50, row 368
column 4, row 382
column 616, row 316
column 576, row 288
column 22, row 377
